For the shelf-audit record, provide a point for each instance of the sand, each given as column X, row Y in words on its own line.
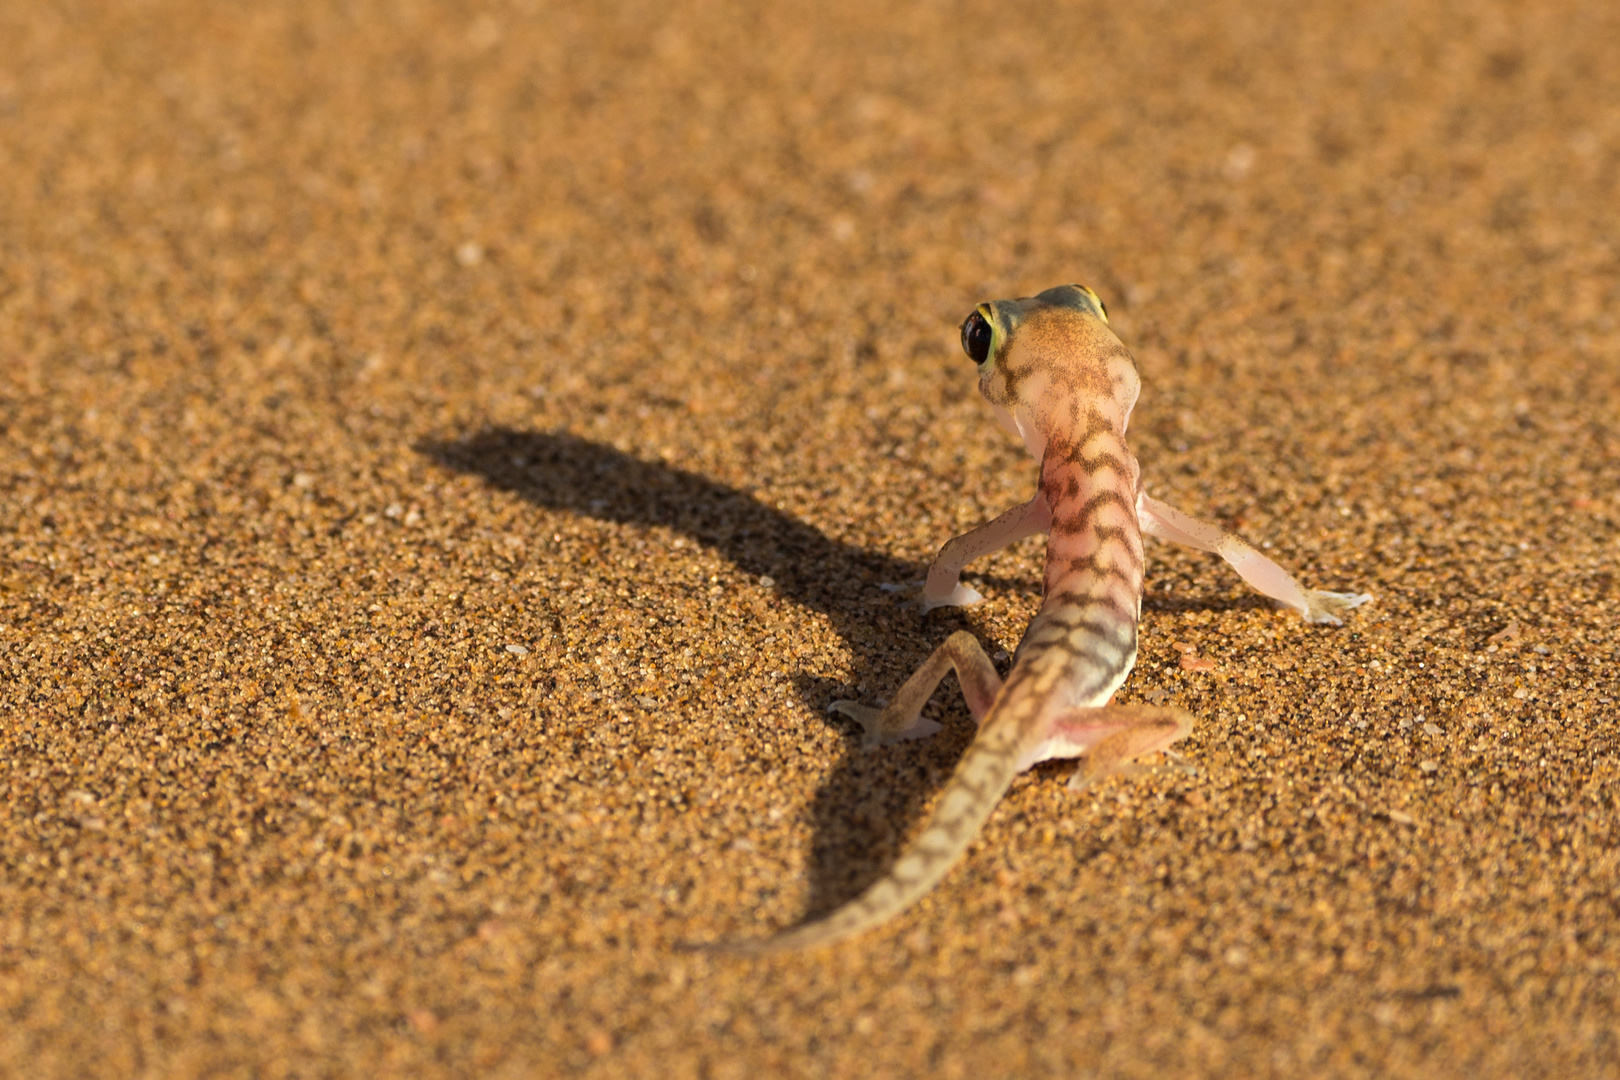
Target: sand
column 450, row 455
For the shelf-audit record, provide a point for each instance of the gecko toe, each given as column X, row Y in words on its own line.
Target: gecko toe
column 875, row 729
column 961, row 596
column 915, row 594
column 921, row 728
column 910, row 594
column 1327, row 607
column 864, row 715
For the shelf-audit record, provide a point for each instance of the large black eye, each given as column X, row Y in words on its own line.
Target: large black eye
column 976, row 338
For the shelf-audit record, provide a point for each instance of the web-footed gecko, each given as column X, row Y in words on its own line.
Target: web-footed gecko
column 1059, row 379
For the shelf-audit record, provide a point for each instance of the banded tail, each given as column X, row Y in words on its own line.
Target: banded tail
column 982, row 776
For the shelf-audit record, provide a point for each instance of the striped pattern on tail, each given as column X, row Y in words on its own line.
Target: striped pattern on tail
column 981, row 778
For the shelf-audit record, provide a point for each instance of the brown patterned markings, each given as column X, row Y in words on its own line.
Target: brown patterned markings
column 1083, row 619
column 1082, row 563
column 1114, row 534
column 1046, row 632
column 1084, row 665
column 1080, row 520
column 1067, row 609
column 1092, row 457
column 1077, row 354
column 1091, row 613
column 1098, row 427
column 1063, row 484
column 1108, row 599
column 1068, row 541
column 1111, row 630
column 1096, row 424
column 1104, row 461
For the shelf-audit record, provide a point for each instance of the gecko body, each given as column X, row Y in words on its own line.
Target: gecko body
column 1057, row 377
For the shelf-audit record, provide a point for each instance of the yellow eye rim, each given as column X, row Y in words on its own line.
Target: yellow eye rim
column 1102, row 308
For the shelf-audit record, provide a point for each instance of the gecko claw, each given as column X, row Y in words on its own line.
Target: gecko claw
column 1327, row 607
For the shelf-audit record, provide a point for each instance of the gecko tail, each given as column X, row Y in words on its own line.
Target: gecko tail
column 981, row 778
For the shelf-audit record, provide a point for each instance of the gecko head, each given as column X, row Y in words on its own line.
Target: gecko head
column 1038, row 354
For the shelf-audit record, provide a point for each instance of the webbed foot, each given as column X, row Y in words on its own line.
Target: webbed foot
column 1329, row 607
column 875, row 724
column 915, row 593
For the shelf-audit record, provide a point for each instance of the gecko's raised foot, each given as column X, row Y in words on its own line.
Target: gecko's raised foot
column 874, row 725
column 914, row 593
column 1328, row 607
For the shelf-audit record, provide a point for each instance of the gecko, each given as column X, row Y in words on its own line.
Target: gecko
column 1057, row 378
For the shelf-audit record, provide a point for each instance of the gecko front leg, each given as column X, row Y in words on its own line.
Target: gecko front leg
column 944, row 586
column 1166, row 522
column 903, row 718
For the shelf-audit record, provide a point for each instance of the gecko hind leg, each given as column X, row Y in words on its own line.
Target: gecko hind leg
column 1109, row 739
column 903, row 718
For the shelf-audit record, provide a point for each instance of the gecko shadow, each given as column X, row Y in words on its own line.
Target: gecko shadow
column 869, row 795
column 1158, row 602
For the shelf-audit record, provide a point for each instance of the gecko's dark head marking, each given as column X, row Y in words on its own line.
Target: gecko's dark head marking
column 1076, row 298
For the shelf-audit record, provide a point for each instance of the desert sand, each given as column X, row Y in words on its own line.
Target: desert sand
column 450, row 455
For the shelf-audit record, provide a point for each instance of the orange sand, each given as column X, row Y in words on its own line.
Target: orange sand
column 448, row 455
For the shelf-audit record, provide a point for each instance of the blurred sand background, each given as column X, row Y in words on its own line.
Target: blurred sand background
column 449, row 454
